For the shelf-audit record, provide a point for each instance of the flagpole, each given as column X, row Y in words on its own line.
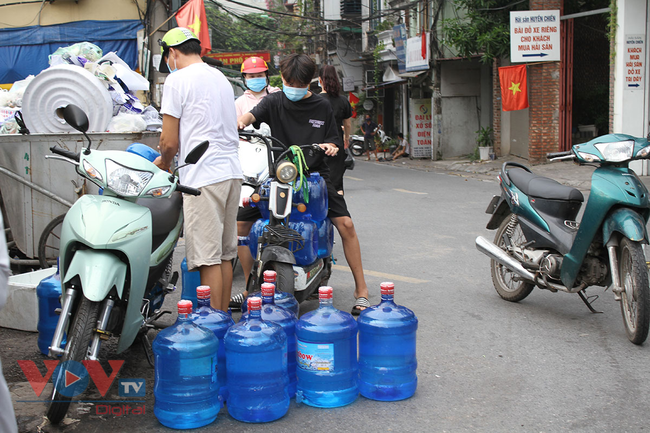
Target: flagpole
column 164, row 22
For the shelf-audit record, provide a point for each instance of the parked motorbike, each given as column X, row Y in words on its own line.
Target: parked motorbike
column 279, row 243
column 539, row 242
column 356, row 141
column 115, row 253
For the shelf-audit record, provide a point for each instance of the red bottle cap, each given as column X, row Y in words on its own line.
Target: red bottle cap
column 184, row 306
column 203, row 292
column 254, row 304
column 387, row 288
column 268, row 289
column 270, row 276
column 325, row 292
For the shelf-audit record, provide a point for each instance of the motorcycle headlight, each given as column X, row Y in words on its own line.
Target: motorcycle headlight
column 287, row 172
column 92, row 171
column 617, row 151
column 126, row 181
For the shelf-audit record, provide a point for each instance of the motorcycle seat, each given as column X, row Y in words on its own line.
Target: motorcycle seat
column 543, row 187
column 164, row 212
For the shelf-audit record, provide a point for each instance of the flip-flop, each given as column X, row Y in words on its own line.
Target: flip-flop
column 361, row 301
column 236, row 301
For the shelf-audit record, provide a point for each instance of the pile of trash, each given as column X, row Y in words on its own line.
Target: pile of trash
column 103, row 86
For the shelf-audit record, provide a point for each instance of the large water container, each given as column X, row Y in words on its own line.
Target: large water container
column 48, row 293
column 190, row 281
column 186, row 386
column 218, row 322
column 256, row 358
column 317, row 204
column 387, row 362
column 282, row 299
column 309, row 232
column 325, row 238
column 287, row 320
column 307, row 229
column 327, row 355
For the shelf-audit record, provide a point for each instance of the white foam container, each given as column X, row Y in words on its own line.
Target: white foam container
column 21, row 310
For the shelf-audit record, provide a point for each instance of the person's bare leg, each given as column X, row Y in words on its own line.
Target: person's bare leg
column 352, row 251
column 226, row 277
column 244, row 253
column 213, row 277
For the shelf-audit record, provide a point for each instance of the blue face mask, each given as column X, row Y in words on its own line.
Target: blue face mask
column 256, row 84
column 169, row 67
column 294, row 93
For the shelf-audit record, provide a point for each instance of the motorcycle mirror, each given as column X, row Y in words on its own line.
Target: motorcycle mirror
column 75, row 117
column 196, row 153
column 192, row 157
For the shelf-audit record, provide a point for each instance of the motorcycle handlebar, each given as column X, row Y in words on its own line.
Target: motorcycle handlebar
column 66, row 153
column 187, row 189
column 558, row 154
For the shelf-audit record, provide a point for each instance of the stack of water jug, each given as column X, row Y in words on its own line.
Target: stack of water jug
column 256, row 366
column 312, row 224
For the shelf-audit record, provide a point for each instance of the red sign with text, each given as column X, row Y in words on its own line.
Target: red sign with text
column 238, row 58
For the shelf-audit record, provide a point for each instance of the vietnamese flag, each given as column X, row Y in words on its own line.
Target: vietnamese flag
column 354, row 100
column 514, row 92
column 192, row 16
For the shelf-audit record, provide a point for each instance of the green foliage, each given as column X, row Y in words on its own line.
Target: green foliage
column 276, row 81
column 484, row 138
column 384, row 25
column 481, row 27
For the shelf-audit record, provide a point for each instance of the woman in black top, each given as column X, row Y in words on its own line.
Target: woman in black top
column 329, row 81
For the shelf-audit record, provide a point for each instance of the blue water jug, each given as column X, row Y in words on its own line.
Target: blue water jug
column 263, row 205
column 309, row 232
column 327, row 355
column 256, row 231
column 218, row 322
column 387, row 362
column 48, row 293
column 282, row 299
column 256, row 362
column 317, row 204
column 190, row 281
column 186, row 387
column 325, row 238
column 287, row 320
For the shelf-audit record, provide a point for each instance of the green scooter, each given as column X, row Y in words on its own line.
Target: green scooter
column 115, row 254
column 539, row 242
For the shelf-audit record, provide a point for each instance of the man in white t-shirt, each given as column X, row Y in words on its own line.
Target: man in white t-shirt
column 198, row 105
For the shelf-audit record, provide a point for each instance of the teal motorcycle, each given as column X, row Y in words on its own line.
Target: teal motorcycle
column 540, row 243
column 115, row 255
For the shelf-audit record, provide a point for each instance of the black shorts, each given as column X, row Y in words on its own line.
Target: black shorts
column 336, row 206
column 368, row 143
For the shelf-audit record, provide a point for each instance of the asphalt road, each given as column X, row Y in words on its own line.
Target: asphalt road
column 545, row 364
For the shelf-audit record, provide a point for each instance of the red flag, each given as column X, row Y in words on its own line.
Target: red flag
column 192, row 16
column 424, row 44
column 514, row 92
column 354, row 100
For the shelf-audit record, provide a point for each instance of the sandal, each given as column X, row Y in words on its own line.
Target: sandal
column 236, row 301
column 360, row 302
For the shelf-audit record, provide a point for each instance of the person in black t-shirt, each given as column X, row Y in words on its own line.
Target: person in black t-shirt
column 297, row 116
column 369, row 130
column 329, row 81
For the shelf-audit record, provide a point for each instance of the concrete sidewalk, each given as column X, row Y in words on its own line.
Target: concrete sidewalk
column 565, row 172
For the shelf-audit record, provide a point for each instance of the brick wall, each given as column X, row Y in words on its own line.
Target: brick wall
column 543, row 100
column 496, row 107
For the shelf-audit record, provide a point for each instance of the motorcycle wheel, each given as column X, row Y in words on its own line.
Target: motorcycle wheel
column 356, row 148
column 508, row 284
column 635, row 299
column 284, row 281
column 79, row 339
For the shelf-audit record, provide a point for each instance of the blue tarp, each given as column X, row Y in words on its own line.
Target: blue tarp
column 25, row 51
